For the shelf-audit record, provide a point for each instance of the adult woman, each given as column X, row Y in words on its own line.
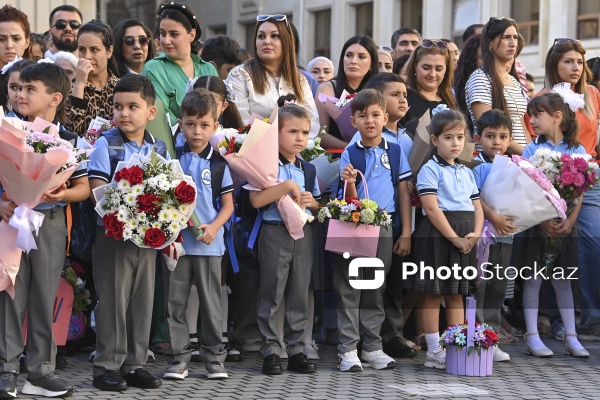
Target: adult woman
column 271, row 73
column 385, row 59
column 469, row 61
column 495, row 85
column 95, row 79
column 430, row 74
column 171, row 70
column 14, row 35
column 321, row 68
column 358, row 62
column 132, row 46
column 66, row 61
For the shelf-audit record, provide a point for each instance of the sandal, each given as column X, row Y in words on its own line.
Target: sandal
column 508, row 337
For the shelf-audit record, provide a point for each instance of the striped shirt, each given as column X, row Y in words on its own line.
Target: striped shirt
column 479, row 89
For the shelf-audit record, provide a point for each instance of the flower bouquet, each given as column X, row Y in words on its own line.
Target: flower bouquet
column 469, row 346
column 97, row 126
column 354, row 224
column 149, row 202
column 33, row 160
column 328, row 169
column 339, row 110
column 81, row 299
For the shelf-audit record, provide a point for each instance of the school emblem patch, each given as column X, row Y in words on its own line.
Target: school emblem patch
column 385, row 160
column 206, row 178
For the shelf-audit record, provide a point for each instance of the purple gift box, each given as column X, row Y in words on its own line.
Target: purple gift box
column 459, row 362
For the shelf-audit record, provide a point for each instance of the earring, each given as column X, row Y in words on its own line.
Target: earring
column 8, row 104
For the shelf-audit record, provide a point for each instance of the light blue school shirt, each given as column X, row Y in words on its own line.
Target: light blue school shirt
column 294, row 172
column 561, row 147
column 453, row 184
column 198, row 167
column 401, row 138
column 378, row 173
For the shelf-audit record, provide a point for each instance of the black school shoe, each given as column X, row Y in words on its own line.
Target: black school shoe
column 397, row 348
column 272, row 365
column 141, row 378
column 111, row 381
column 300, row 363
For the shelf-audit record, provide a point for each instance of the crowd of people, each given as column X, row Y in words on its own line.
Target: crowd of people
column 165, row 91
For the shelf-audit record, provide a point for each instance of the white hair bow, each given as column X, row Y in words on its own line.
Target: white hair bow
column 575, row 101
column 10, row 64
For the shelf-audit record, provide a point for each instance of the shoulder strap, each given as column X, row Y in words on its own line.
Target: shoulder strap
column 217, row 171
column 357, row 159
column 116, row 148
column 310, row 174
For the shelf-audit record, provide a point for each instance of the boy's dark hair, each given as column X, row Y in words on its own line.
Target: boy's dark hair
column 54, row 78
column 494, row 118
column 399, row 32
column 366, row 98
column 134, row 83
column 444, row 120
column 221, row 50
column 380, row 81
column 288, row 97
column 198, row 102
column 38, row 38
column 399, row 63
column 65, row 7
column 291, row 111
column 551, row 102
column 18, row 66
column 470, row 31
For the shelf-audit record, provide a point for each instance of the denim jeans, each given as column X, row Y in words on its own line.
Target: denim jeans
column 589, row 254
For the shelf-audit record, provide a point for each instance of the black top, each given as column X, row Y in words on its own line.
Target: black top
column 418, row 105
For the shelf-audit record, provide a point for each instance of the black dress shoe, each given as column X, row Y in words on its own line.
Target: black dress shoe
column 61, row 362
column 397, row 348
column 272, row 365
column 110, row 381
column 299, row 363
column 141, row 378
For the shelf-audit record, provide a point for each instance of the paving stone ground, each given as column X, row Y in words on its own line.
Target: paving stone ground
column 524, row 377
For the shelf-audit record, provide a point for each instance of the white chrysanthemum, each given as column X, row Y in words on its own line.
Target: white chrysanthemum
column 387, row 220
column 174, row 227
column 130, row 200
column 127, row 234
column 123, row 215
column 184, row 208
column 137, row 190
column 142, row 230
column 157, row 225
column 182, row 220
column 141, row 217
column 164, row 216
column 152, row 182
column 123, row 184
column 164, row 185
column 310, row 145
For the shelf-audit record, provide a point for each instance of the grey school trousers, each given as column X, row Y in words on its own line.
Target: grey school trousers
column 124, row 280
column 35, row 288
column 177, row 284
column 285, row 270
column 360, row 312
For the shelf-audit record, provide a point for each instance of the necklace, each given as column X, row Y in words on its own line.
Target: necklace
column 277, row 80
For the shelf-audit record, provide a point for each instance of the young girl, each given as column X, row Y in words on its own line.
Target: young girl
column 557, row 128
column 446, row 237
column 9, row 87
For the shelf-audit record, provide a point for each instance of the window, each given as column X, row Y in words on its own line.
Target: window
column 120, row 10
column 527, row 15
column 588, row 19
column 218, row 30
column 411, row 14
column 323, row 38
column 364, row 19
column 249, row 28
column 464, row 14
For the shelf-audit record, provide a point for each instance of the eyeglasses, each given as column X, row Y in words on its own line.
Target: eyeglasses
column 384, row 48
column 429, row 43
column 129, row 41
column 62, row 24
column 565, row 40
column 501, row 19
column 276, row 17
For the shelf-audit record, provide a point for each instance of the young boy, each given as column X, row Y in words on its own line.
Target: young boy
column 386, row 172
column 43, row 89
column 123, row 272
column 202, row 261
column 495, row 135
column 285, row 262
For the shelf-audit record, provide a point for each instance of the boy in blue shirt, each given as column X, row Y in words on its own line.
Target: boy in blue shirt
column 202, row 261
column 386, row 171
column 494, row 135
column 285, row 263
column 123, row 272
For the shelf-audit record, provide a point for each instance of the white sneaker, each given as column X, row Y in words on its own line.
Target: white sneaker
column 500, row 355
column 349, row 362
column 436, row 359
column 378, row 359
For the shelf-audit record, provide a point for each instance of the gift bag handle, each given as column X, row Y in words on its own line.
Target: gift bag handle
column 364, row 184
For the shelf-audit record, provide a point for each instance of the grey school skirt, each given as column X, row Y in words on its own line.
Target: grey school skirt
column 433, row 249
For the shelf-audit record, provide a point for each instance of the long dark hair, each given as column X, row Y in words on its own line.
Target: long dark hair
column 550, row 103
column 118, row 44
column 18, row 66
column 182, row 13
column 371, row 47
column 467, row 63
column 231, row 117
column 104, row 32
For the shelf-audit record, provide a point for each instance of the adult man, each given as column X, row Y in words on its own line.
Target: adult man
column 404, row 41
column 65, row 21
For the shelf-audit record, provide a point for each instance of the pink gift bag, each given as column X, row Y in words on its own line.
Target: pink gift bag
column 347, row 237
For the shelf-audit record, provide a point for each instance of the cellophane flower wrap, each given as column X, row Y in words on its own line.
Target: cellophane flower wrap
column 339, row 110
column 313, row 148
column 456, row 335
column 148, row 202
column 33, row 160
column 96, row 128
column 358, row 211
column 230, row 140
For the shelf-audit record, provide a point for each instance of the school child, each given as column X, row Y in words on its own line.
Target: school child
column 9, row 87
column 43, row 90
column 386, row 173
column 285, row 263
column 202, row 261
column 447, row 236
column 494, row 135
column 123, row 272
column 556, row 126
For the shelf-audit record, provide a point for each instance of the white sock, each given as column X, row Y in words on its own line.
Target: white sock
column 564, row 300
column 433, row 341
column 531, row 303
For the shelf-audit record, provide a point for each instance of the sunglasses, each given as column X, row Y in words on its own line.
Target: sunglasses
column 429, row 43
column 501, row 19
column 565, row 40
column 129, row 41
column 62, row 24
column 384, row 48
column 276, row 17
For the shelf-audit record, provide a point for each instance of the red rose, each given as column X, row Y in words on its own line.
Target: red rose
column 154, row 237
column 134, row 175
column 112, row 226
column 491, row 334
column 185, row 193
column 148, row 203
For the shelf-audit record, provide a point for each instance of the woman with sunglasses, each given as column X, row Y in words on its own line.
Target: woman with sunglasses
column 359, row 61
column 271, row 73
column 14, row 35
column 172, row 69
column 132, row 47
column 95, row 80
column 495, row 84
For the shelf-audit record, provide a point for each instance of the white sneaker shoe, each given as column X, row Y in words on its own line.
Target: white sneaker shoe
column 378, row 359
column 500, row 355
column 349, row 362
column 436, row 359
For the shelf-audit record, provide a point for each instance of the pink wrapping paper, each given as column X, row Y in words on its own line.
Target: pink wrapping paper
column 341, row 116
